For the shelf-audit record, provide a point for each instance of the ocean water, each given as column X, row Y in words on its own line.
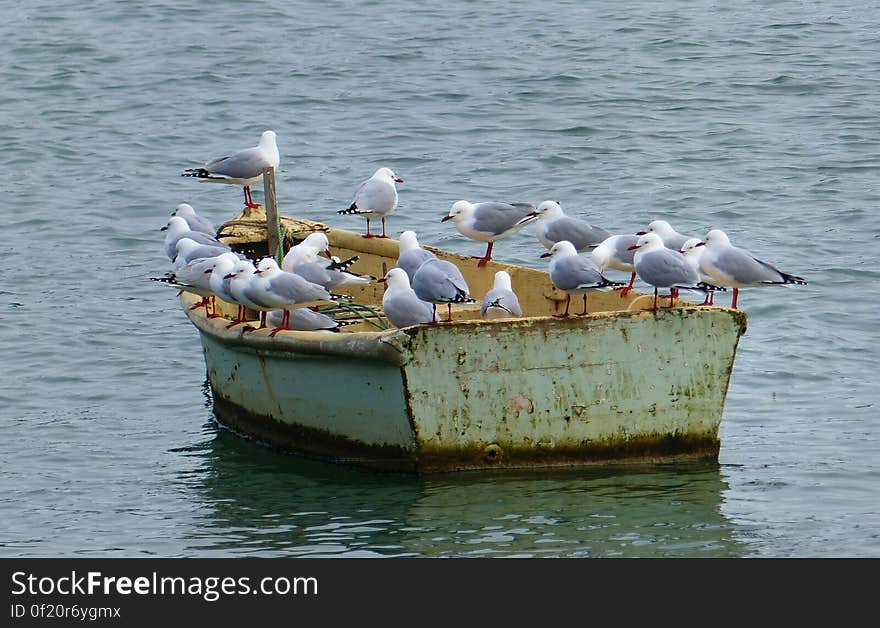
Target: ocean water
column 759, row 118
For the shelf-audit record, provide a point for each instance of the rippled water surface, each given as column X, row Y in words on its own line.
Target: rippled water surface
column 759, row 118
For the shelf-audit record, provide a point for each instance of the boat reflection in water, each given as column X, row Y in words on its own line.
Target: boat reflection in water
column 256, row 502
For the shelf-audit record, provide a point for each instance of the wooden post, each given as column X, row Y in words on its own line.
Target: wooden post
column 273, row 223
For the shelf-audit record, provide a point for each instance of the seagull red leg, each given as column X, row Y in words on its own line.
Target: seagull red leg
column 735, row 295
column 488, row 256
column 626, row 290
column 384, row 235
column 368, row 234
column 567, row 303
column 584, row 313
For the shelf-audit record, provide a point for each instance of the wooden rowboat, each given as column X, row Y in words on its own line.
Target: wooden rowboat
column 623, row 384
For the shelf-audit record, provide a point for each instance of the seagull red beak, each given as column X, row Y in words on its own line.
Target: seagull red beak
column 209, row 270
column 165, row 228
column 641, row 232
column 700, row 244
column 258, row 271
column 632, row 248
column 547, row 254
column 229, row 276
column 383, row 280
column 445, row 218
column 328, row 253
column 398, row 180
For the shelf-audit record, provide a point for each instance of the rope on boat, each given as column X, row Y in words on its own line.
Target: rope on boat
column 357, row 309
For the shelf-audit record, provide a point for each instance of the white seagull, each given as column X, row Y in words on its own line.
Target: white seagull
column 661, row 267
column 193, row 220
column 377, row 196
column 615, row 253
column 438, row 281
column 693, row 250
column 501, row 301
column 401, row 305
column 731, row 266
column 671, row 238
column 575, row 274
column 244, row 168
column 553, row 226
column 411, row 255
column 178, row 229
column 487, row 222
column 304, row 259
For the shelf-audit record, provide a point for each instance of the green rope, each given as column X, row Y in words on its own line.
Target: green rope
column 357, row 309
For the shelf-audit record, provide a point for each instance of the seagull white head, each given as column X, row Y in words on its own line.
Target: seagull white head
column 563, row 248
column 549, row 210
column 387, row 173
column 716, row 238
column 502, row 280
column 660, row 227
column 184, row 209
column 647, row 242
column 459, row 211
column 270, row 148
column 267, row 265
column 175, row 226
column 408, row 241
column 396, row 278
column 692, row 247
column 317, row 241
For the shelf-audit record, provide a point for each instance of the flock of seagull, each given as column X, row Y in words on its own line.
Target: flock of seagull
column 287, row 296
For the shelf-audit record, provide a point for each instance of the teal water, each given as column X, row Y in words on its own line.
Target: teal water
column 760, row 119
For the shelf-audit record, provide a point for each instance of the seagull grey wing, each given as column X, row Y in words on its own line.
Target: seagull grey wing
column 496, row 218
column 440, row 281
column 202, row 251
column 575, row 271
column 403, row 308
column 375, row 196
column 581, row 234
column 295, row 289
column 245, row 164
column 314, row 272
column 502, row 298
column 197, row 223
column 742, row 267
column 665, row 268
column 675, row 241
column 622, row 248
column 411, row 260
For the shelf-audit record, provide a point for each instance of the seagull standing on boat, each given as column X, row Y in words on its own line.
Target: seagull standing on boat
column 501, row 301
column 487, row 222
column 554, row 226
column 195, row 277
column 221, row 275
column 304, row 319
column 193, row 220
column 734, row 267
column 661, row 267
column 244, row 168
column 411, row 255
column 671, row 238
column 438, row 281
column 304, row 259
column 280, row 289
column 575, row 274
column 377, row 196
column 189, row 250
column 400, row 303
column 615, row 253
column 693, row 250
column 178, row 229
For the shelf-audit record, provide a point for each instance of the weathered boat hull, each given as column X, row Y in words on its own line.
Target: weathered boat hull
column 611, row 387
